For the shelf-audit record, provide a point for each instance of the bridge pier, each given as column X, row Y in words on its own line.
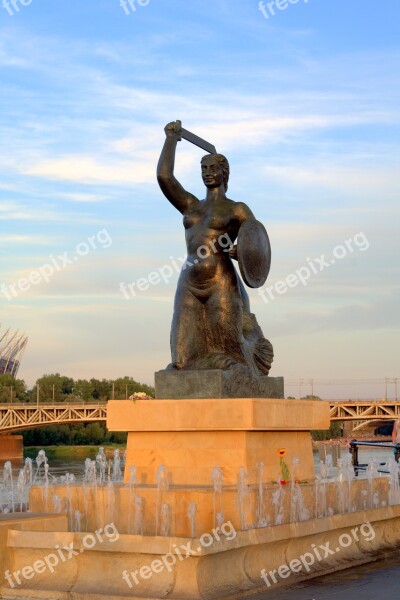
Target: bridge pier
column 11, row 447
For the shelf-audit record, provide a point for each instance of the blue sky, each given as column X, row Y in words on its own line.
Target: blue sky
column 305, row 104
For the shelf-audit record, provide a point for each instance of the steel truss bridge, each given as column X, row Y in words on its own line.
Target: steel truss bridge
column 17, row 417
column 364, row 412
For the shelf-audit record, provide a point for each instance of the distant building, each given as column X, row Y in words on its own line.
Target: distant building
column 12, row 347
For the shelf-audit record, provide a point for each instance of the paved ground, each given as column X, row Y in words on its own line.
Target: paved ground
column 375, row 581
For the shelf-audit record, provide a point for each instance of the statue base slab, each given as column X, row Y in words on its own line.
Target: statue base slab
column 215, row 383
column 191, row 436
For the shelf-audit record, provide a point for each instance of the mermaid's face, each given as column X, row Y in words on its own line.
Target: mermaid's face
column 211, row 172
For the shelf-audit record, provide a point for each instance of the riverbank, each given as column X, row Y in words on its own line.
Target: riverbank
column 90, row 451
column 345, row 441
column 77, row 452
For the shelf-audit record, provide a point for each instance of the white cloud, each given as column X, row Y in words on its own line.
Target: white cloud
column 349, row 179
column 89, row 170
column 76, row 197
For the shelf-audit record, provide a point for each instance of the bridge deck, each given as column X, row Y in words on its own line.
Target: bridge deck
column 17, row 417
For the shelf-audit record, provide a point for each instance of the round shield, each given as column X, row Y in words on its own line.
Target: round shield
column 254, row 253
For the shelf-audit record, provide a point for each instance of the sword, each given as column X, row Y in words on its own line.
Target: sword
column 194, row 139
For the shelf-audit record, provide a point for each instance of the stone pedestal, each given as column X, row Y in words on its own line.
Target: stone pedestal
column 190, row 437
column 215, row 383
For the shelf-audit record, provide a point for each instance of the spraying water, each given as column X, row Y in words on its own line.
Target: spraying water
column 69, row 479
column 21, row 487
column 78, row 518
column 117, row 474
column 110, row 508
column 165, row 519
column 139, row 516
column 278, row 503
column 372, row 474
column 57, row 507
column 217, row 479
column 132, row 495
column 28, row 468
column 41, row 459
column 298, row 509
column 320, row 492
column 243, row 497
column 394, row 479
column 162, row 487
column 192, row 513
column 101, row 460
column 261, row 519
column 9, row 485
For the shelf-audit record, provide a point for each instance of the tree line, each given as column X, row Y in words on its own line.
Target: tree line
column 60, row 388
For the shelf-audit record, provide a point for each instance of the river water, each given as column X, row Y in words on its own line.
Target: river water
column 376, row 581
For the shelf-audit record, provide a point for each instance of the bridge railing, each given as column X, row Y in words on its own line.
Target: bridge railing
column 354, row 447
column 51, row 404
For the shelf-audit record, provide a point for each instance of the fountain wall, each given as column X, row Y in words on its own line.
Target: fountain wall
column 228, row 569
column 139, row 511
column 11, row 447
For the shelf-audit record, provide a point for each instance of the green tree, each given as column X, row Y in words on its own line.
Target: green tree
column 83, row 390
column 95, row 433
column 126, row 386
column 333, row 432
column 101, row 389
column 65, row 389
column 55, row 386
column 12, row 390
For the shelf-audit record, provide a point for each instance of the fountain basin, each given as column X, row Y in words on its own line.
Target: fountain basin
column 26, row 522
column 226, row 569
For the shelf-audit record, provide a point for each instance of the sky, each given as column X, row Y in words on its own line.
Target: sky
column 302, row 98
